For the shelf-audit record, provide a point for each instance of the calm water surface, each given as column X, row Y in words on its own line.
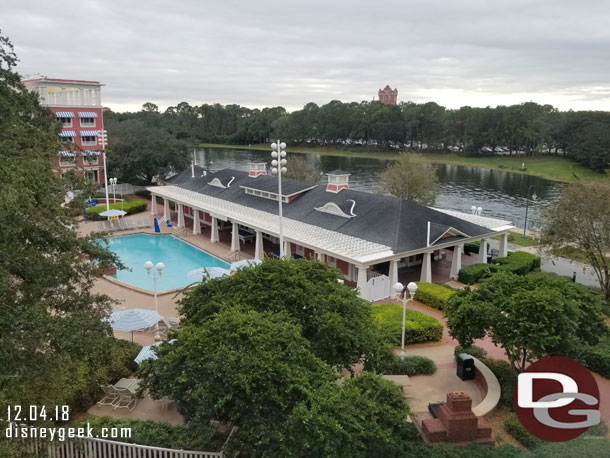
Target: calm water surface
column 500, row 194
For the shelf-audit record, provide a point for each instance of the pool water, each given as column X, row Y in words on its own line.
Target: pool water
column 179, row 258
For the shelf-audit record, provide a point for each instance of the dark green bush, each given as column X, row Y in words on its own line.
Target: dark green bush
column 157, row 434
column 519, row 262
column 472, row 247
column 418, row 326
column 122, row 362
column 474, row 273
column 130, row 206
column 514, row 427
column 478, row 352
column 506, row 377
column 143, row 193
column 410, row 365
column 433, row 295
column 597, row 358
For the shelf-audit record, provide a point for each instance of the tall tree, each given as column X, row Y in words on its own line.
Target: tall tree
column 301, row 170
column 581, row 219
column 411, row 177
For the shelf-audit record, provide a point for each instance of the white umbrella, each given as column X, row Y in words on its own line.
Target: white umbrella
column 244, row 263
column 133, row 320
column 113, row 212
column 148, row 352
column 207, row 273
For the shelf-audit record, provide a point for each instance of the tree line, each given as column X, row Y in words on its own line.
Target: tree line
column 525, row 129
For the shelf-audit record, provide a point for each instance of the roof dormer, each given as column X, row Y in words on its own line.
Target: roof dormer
column 337, row 180
column 345, row 209
column 257, row 168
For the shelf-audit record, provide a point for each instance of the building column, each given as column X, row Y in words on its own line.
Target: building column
column 235, row 237
column 503, row 245
column 214, row 231
column 456, row 261
column 287, row 252
column 426, row 268
column 153, row 205
column 180, row 215
column 318, row 256
column 196, row 223
column 166, row 209
column 483, row 252
column 362, row 284
column 258, row 249
column 393, row 274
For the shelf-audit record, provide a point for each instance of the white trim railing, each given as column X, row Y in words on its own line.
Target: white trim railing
column 92, row 447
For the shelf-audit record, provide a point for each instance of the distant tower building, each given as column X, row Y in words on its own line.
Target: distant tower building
column 388, row 95
column 78, row 106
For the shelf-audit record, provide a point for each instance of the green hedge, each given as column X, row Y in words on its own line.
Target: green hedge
column 433, row 295
column 410, row 365
column 158, row 434
column 143, row 193
column 597, row 358
column 474, row 273
column 519, row 262
column 418, row 326
column 514, row 427
column 130, row 206
column 478, row 352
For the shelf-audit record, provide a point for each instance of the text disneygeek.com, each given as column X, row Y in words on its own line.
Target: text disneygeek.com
column 15, row 431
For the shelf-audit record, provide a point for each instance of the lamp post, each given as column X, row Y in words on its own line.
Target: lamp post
column 527, row 204
column 148, row 265
column 279, row 167
column 113, row 183
column 102, row 138
column 401, row 291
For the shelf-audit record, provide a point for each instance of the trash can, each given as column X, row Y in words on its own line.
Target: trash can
column 465, row 367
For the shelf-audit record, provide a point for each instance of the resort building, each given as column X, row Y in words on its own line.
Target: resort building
column 368, row 237
column 78, row 106
column 387, row 95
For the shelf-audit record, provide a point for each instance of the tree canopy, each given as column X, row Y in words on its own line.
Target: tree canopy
column 411, row 177
column 581, row 219
column 529, row 317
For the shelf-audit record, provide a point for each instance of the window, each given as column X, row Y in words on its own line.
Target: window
column 67, row 161
column 90, row 159
column 66, row 139
column 300, row 250
column 331, row 261
column 88, row 140
column 87, row 122
column 66, row 122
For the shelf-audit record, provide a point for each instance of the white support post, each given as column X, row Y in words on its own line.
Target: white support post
column 319, row 256
column 483, row 252
column 504, row 245
column 180, row 215
column 362, row 284
column 153, row 205
column 393, row 274
column 235, row 237
column 214, row 232
column 426, row 268
column 287, row 252
column 196, row 222
column 456, row 261
column 258, row 249
column 166, row 214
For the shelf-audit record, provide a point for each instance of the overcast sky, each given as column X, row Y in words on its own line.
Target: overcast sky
column 266, row 53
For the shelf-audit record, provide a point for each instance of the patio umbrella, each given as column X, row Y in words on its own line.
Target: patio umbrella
column 244, row 263
column 113, row 212
column 207, row 272
column 148, row 352
column 133, row 320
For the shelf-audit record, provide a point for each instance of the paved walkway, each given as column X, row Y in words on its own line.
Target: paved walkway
column 441, row 352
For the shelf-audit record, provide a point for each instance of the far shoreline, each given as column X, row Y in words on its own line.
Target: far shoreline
column 553, row 168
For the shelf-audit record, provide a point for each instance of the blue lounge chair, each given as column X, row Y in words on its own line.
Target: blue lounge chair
column 168, row 223
column 296, row 256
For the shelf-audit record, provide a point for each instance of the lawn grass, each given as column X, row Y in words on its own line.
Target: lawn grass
column 550, row 167
column 571, row 253
column 419, row 327
column 516, row 238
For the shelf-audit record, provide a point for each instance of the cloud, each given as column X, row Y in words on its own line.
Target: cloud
column 288, row 53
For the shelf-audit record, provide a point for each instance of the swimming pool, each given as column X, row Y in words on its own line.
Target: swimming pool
column 179, row 258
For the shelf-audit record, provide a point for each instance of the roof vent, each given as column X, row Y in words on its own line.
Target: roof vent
column 345, row 210
column 216, row 182
column 337, row 180
column 257, row 168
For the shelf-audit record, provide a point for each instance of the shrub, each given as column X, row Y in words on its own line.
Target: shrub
column 143, row 193
column 472, row 247
column 418, row 326
column 514, row 427
column 597, row 358
column 409, row 365
column 158, row 434
column 476, row 272
column 507, row 378
column 519, row 262
column 433, row 295
column 478, row 352
column 130, row 206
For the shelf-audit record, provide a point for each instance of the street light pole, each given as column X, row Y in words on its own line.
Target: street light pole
column 402, row 290
column 278, row 169
column 527, row 203
column 102, row 139
column 148, row 265
column 113, row 183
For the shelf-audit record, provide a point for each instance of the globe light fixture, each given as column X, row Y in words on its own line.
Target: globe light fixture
column 278, row 167
column 401, row 292
column 159, row 267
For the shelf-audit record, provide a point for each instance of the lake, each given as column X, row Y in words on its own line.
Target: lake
column 501, row 194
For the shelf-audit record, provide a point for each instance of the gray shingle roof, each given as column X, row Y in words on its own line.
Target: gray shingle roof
column 386, row 220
